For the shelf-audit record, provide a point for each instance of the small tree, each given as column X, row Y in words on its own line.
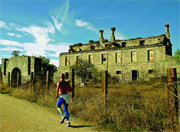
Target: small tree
column 15, row 53
column 177, row 55
column 85, row 71
column 46, row 66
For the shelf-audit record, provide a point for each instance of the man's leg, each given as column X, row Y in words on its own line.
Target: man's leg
column 59, row 103
column 66, row 111
column 66, row 114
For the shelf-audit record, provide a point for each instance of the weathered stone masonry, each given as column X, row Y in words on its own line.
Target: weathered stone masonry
column 26, row 66
column 130, row 59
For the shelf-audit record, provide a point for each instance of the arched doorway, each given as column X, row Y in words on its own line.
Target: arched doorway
column 16, row 75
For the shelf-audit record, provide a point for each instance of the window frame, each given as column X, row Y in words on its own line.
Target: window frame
column 92, row 58
column 116, row 57
column 66, row 61
column 132, row 60
column 78, row 59
column 149, row 55
column 118, row 73
column 102, row 61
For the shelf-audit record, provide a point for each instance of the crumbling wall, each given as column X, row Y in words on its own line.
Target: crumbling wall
column 26, row 65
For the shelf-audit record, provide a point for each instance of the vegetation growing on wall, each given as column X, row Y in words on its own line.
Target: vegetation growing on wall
column 177, row 55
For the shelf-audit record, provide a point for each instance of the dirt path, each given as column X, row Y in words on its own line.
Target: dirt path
column 23, row 116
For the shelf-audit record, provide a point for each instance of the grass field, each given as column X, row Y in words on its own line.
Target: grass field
column 139, row 106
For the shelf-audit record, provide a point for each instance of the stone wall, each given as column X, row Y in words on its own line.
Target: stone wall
column 145, row 68
column 25, row 64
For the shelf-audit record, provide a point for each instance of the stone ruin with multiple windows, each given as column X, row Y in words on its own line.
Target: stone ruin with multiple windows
column 128, row 59
column 21, row 68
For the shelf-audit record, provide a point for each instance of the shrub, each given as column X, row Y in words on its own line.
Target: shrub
column 86, row 71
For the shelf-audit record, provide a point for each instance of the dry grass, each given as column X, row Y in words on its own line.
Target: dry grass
column 5, row 89
column 131, row 107
column 25, row 94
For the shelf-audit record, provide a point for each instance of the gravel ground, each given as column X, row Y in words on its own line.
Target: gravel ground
column 17, row 115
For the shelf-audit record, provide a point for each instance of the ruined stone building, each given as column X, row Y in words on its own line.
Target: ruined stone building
column 22, row 68
column 129, row 59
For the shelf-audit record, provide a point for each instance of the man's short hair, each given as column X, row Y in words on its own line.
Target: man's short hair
column 63, row 76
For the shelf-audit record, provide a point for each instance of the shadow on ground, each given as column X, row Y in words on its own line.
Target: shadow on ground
column 81, row 126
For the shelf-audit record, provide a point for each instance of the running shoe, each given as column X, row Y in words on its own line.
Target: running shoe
column 68, row 124
column 62, row 120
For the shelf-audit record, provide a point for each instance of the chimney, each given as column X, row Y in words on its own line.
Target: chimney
column 101, row 36
column 112, row 34
column 167, row 31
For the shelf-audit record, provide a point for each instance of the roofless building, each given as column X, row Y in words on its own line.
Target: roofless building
column 128, row 59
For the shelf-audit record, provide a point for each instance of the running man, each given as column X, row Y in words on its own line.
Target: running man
column 62, row 90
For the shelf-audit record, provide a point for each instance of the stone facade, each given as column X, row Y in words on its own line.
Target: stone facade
column 130, row 59
column 25, row 66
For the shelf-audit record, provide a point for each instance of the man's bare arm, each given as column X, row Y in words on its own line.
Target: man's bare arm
column 57, row 90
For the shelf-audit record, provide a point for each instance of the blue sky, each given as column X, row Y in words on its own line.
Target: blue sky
column 48, row 27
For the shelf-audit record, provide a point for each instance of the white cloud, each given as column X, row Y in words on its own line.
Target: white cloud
column 87, row 25
column 36, row 50
column 58, row 25
column 63, row 12
column 10, row 43
column 62, row 16
column 13, row 34
column 29, row 48
column 119, row 36
column 58, row 48
column 80, row 23
column 5, row 56
column 50, row 27
column 12, row 24
column 2, row 24
column 18, row 36
column 55, row 62
column 39, row 33
column 11, row 49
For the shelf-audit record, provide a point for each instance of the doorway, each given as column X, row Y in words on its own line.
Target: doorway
column 134, row 75
column 15, row 76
